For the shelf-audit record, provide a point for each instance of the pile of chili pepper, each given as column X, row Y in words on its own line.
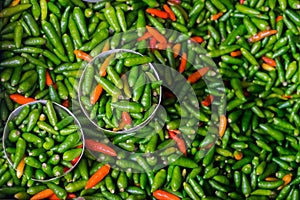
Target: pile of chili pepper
column 130, row 79
column 43, row 139
column 253, row 153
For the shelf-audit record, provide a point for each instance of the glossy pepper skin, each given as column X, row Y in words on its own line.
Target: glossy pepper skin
column 254, row 145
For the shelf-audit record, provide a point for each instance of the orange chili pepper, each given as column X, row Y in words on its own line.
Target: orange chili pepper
column 235, row 53
column 42, row 195
column 216, row 16
column 20, row 99
column 48, row 79
column 106, row 46
column 287, row 178
column 176, row 49
column 82, row 55
column 159, row 37
column 194, row 77
column 14, row 3
column 279, row 18
column 223, row 124
column 157, row 13
column 269, row 61
column 238, row 155
column 271, row 179
column 20, row 168
column 197, row 39
column 96, row 94
column 146, row 36
column 170, row 12
column 163, row 195
column 98, row 176
column 261, row 35
column 183, row 62
column 102, row 70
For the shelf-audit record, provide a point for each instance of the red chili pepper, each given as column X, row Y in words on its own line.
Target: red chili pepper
column 236, row 53
column 194, row 77
column 197, row 39
column 99, row 147
column 157, row 13
column 79, row 146
column 66, row 169
column 242, row 1
column 82, row 55
column 48, row 79
column 163, row 195
column 66, row 103
column 53, row 197
column 269, row 61
column 261, row 35
column 75, row 160
column 216, row 16
column 20, row 99
column 126, row 118
column 169, row 94
column 180, row 142
column 208, row 100
column 71, row 196
column 170, row 12
column 183, row 62
column 287, row 96
column 279, row 18
column 152, row 43
column 159, row 37
column 146, row 36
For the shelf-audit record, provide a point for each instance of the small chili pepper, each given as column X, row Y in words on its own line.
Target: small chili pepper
column 269, row 61
column 157, row 13
column 194, row 77
column 183, row 63
column 100, row 147
column 96, row 94
column 159, row 37
column 236, row 53
column 170, row 12
column 280, row 17
column 82, row 55
column 163, row 195
column 261, row 35
column 197, row 39
column 180, row 142
column 42, row 195
column 208, row 100
column 21, row 99
column 144, row 37
column 98, row 176
column 216, row 16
